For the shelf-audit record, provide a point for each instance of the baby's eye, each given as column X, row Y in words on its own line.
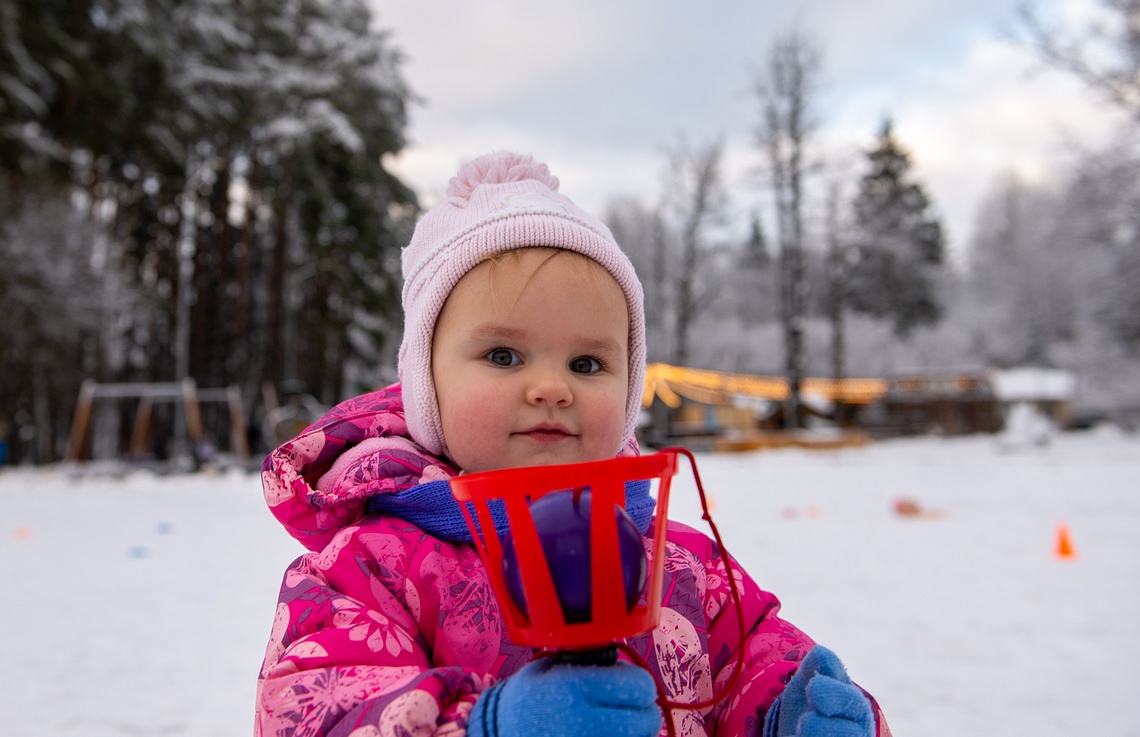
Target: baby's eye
column 585, row 365
column 504, row 357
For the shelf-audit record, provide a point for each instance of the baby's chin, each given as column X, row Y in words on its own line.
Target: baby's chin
column 544, row 458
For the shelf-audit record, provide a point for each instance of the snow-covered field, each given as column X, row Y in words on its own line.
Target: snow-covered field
column 141, row 605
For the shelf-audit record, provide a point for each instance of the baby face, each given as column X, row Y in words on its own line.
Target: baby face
column 530, row 360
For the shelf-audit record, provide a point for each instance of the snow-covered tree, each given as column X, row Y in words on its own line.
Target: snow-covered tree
column 25, row 87
column 1052, row 278
column 786, row 91
column 230, row 153
column 1104, row 54
column 899, row 246
column 695, row 199
column 1120, row 308
column 303, row 100
column 1098, row 228
column 1019, row 275
column 51, row 297
column 752, row 279
column 641, row 233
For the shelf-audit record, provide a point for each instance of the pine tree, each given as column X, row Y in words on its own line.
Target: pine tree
column 228, row 156
column 756, row 246
column 25, row 86
column 900, row 242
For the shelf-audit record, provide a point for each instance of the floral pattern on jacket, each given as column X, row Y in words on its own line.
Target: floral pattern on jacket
column 383, row 630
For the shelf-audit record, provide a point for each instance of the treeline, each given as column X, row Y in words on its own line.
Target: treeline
column 850, row 276
column 1050, row 277
column 193, row 188
column 197, row 189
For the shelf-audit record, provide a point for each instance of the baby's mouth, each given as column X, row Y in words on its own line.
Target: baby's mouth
column 547, row 433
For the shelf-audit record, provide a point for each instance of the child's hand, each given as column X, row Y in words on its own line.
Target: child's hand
column 545, row 699
column 820, row 701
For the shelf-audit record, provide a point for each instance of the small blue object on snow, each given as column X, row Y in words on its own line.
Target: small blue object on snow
column 164, row 528
column 138, row 551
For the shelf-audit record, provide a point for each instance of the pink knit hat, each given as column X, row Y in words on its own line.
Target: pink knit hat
column 497, row 203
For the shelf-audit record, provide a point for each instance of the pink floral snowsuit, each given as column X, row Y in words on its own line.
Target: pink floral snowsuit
column 386, row 630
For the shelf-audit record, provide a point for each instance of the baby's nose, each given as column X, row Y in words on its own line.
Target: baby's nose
column 549, row 387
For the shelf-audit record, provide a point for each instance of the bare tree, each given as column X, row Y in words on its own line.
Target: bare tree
column 837, row 274
column 641, row 233
column 1104, row 55
column 695, row 193
column 785, row 91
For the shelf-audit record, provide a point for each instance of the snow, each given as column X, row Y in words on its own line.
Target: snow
column 1033, row 384
column 141, row 605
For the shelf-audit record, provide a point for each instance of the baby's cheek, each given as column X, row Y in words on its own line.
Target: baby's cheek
column 471, row 429
column 474, row 415
column 606, row 433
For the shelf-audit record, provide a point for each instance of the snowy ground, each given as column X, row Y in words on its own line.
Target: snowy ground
column 140, row 605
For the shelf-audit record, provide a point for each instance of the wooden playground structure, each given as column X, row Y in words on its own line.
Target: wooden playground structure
column 736, row 412
column 733, row 412
column 185, row 392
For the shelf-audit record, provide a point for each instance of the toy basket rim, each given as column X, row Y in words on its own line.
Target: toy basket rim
column 522, row 486
column 489, row 484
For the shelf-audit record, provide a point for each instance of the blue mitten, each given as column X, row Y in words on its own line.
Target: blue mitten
column 556, row 700
column 820, row 701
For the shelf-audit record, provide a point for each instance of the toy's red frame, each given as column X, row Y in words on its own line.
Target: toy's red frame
column 546, row 626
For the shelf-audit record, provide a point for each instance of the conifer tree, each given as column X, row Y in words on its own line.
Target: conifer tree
column 756, row 246
column 899, row 243
column 228, row 158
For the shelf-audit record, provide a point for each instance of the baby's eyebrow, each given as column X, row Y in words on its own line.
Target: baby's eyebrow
column 487, row 332
column 491, row 333
column 601, row 345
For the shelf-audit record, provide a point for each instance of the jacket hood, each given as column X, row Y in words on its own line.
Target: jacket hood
column 321, row 480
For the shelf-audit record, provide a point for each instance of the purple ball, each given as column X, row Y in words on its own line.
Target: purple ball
column 563, row 527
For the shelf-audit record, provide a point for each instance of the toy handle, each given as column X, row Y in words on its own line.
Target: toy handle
column 597, row 656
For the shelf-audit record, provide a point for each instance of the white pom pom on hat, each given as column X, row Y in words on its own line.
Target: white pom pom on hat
column 496, row 203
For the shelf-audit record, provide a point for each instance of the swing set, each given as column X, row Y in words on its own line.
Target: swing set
column 148, row 394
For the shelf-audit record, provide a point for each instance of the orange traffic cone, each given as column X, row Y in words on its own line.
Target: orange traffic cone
column 1064, row 549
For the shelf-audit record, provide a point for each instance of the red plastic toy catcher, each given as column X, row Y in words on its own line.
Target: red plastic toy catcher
column 612, row 620
column 543, row 624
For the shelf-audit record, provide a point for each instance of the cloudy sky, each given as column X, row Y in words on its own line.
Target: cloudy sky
column 599, row 89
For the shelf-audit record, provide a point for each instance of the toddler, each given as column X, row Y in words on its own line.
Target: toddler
column 524, row 344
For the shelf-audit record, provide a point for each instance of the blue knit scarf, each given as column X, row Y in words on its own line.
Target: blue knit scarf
column 431, row 507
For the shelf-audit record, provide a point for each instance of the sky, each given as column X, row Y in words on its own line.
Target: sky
column 601, row 90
